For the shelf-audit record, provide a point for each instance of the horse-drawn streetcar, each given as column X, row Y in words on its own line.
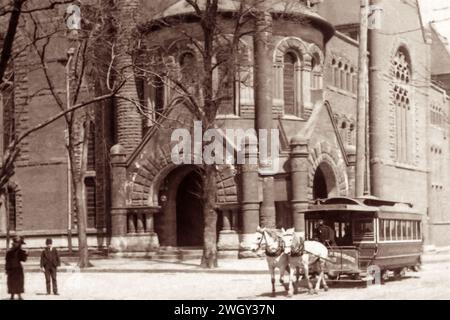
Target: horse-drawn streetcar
column 370, row 235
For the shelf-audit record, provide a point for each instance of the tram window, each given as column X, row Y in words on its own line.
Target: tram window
column 409, row 229
column 337, row 229
column 398, row 229
column 404, row 234
column 418, row 231
column 363, row 230
column 392, row 230
column 386, row 230
column 382, row 230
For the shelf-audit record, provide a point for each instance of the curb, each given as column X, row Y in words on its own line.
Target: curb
column 110, row 270
column 426, row 260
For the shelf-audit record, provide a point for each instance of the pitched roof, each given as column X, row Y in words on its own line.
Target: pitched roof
column 440, row 53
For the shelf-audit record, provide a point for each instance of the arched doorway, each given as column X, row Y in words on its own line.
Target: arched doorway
column 324, row 183
column 190, row 211
column 180, row 223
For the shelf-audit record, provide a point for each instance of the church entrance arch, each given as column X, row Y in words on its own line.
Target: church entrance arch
column 324, row 183
column 180, row 223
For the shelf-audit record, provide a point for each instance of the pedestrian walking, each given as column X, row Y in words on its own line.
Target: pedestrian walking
column 14, row 269
column 49, row 264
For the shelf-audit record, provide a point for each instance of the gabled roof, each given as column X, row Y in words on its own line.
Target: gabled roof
column 440, row 53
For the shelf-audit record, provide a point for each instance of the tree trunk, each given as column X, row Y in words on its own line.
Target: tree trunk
column 80, row 196
column 209, row 258
column 83, row 249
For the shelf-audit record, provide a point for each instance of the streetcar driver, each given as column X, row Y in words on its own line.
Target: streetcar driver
column 324, row 234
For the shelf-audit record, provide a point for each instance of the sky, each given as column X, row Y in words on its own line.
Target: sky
column 438, row 11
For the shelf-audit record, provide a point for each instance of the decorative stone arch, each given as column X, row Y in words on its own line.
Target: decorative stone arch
column 409, row 151
column 287, row 44
column 327, row 158
column 314, row 51
column 181, row 46
column 402, row 45
column 14, row 187
column 299, row 49
column 145, row 180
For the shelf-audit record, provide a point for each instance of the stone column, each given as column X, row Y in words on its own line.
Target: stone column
column 351, row 155
column 250, row 200
column 129, row 121
column 306, row 85
column 228, row 238
column 263, row 50
column 299, row 174
column 118, row 198
column 140, row 223
column 150, row 222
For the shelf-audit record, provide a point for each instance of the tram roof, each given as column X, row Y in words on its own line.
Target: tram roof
column 364, row 204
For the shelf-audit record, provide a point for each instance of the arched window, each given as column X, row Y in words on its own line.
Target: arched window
column 91, row 205
column 401, row 72
column 188, row 67
column 351, row 134
column 226, row 80
column 316, row 73
column 290, row 83
column 91, row 148
column 333, row 72
column 12, row 209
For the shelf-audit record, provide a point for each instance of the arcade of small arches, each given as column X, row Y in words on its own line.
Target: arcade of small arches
column 297, row 75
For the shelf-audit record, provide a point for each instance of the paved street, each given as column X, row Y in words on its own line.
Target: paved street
column 432, row 282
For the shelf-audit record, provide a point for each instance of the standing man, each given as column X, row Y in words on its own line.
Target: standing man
column 49, row 263
column 14, row 269
column 325, row 234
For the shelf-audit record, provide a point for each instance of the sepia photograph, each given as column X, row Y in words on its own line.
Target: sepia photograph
column 240, row 153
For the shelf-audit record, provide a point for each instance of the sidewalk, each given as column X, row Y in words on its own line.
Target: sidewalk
column 140, row 265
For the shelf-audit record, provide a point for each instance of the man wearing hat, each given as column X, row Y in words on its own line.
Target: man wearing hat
column 49, row 264
column 14, row 269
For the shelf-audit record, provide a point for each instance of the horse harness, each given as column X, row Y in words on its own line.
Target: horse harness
column 298, row 249
column 271, row 253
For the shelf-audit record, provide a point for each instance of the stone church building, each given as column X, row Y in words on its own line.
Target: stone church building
column 139, row 200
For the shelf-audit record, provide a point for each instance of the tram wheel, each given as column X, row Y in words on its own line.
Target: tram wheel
column 332, row 276
column 400, row 273
column 355, row 276
column 384, row 275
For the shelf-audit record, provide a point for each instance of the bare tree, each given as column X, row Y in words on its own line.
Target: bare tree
column 206, row 86
column 90, row 57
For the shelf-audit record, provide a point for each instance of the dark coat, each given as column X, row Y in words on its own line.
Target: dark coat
column 325, row 235
column 14, row 270
column 50, row 259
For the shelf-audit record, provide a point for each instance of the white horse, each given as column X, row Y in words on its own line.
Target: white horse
column 272, row 242
column 303, row 254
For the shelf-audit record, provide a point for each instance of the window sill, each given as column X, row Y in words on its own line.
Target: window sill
column 342, row 91
column 407, row 166
column 290, row 117
column 227, row 116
